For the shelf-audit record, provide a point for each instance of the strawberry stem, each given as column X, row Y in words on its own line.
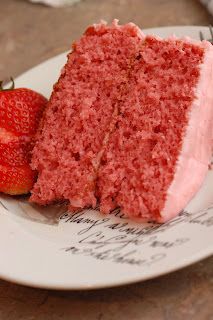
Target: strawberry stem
column 10, row 88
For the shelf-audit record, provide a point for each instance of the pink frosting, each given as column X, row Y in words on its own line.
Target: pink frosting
column 192, row 164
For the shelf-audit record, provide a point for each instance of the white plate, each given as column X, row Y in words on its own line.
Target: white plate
column 89, row 250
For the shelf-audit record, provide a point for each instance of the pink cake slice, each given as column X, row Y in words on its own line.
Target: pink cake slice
column 129, row 124
column 158, row 155
column 81, row 114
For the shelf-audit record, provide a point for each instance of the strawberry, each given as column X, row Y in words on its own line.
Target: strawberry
column 15, row 153
column 16, row 180
column 21, row 110
column 20, row 113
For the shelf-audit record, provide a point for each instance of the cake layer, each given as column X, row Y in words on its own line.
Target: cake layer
column 81, row 113
column 128, row 124
column 165, row 110
column 195, row 156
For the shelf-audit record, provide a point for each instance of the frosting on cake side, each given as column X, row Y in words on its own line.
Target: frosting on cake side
column 193, row 161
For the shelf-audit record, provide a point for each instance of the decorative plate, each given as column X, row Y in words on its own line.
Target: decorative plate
column 50, row 248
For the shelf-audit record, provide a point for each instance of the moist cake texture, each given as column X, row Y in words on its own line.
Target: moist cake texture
column 81, row 114
column 128, row 124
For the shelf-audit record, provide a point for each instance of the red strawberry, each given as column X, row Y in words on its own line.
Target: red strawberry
column 14, row 150
column 20, row 112
column 16, row 180
column 15, row 153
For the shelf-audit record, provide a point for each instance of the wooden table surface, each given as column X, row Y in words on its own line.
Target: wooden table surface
column 31, row 33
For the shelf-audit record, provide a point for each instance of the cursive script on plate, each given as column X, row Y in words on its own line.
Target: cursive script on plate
column 117, row 239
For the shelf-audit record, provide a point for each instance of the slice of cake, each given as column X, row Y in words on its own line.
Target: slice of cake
column 129, row 124
column 81, row 114
column 158, row 155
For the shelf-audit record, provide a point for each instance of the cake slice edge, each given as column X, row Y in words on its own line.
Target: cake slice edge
column 197, row 145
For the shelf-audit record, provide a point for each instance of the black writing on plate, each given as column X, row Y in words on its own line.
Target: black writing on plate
column 115, row 238
column 122, row 258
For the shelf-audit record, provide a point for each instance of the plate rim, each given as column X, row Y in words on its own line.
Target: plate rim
column 89, row 287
